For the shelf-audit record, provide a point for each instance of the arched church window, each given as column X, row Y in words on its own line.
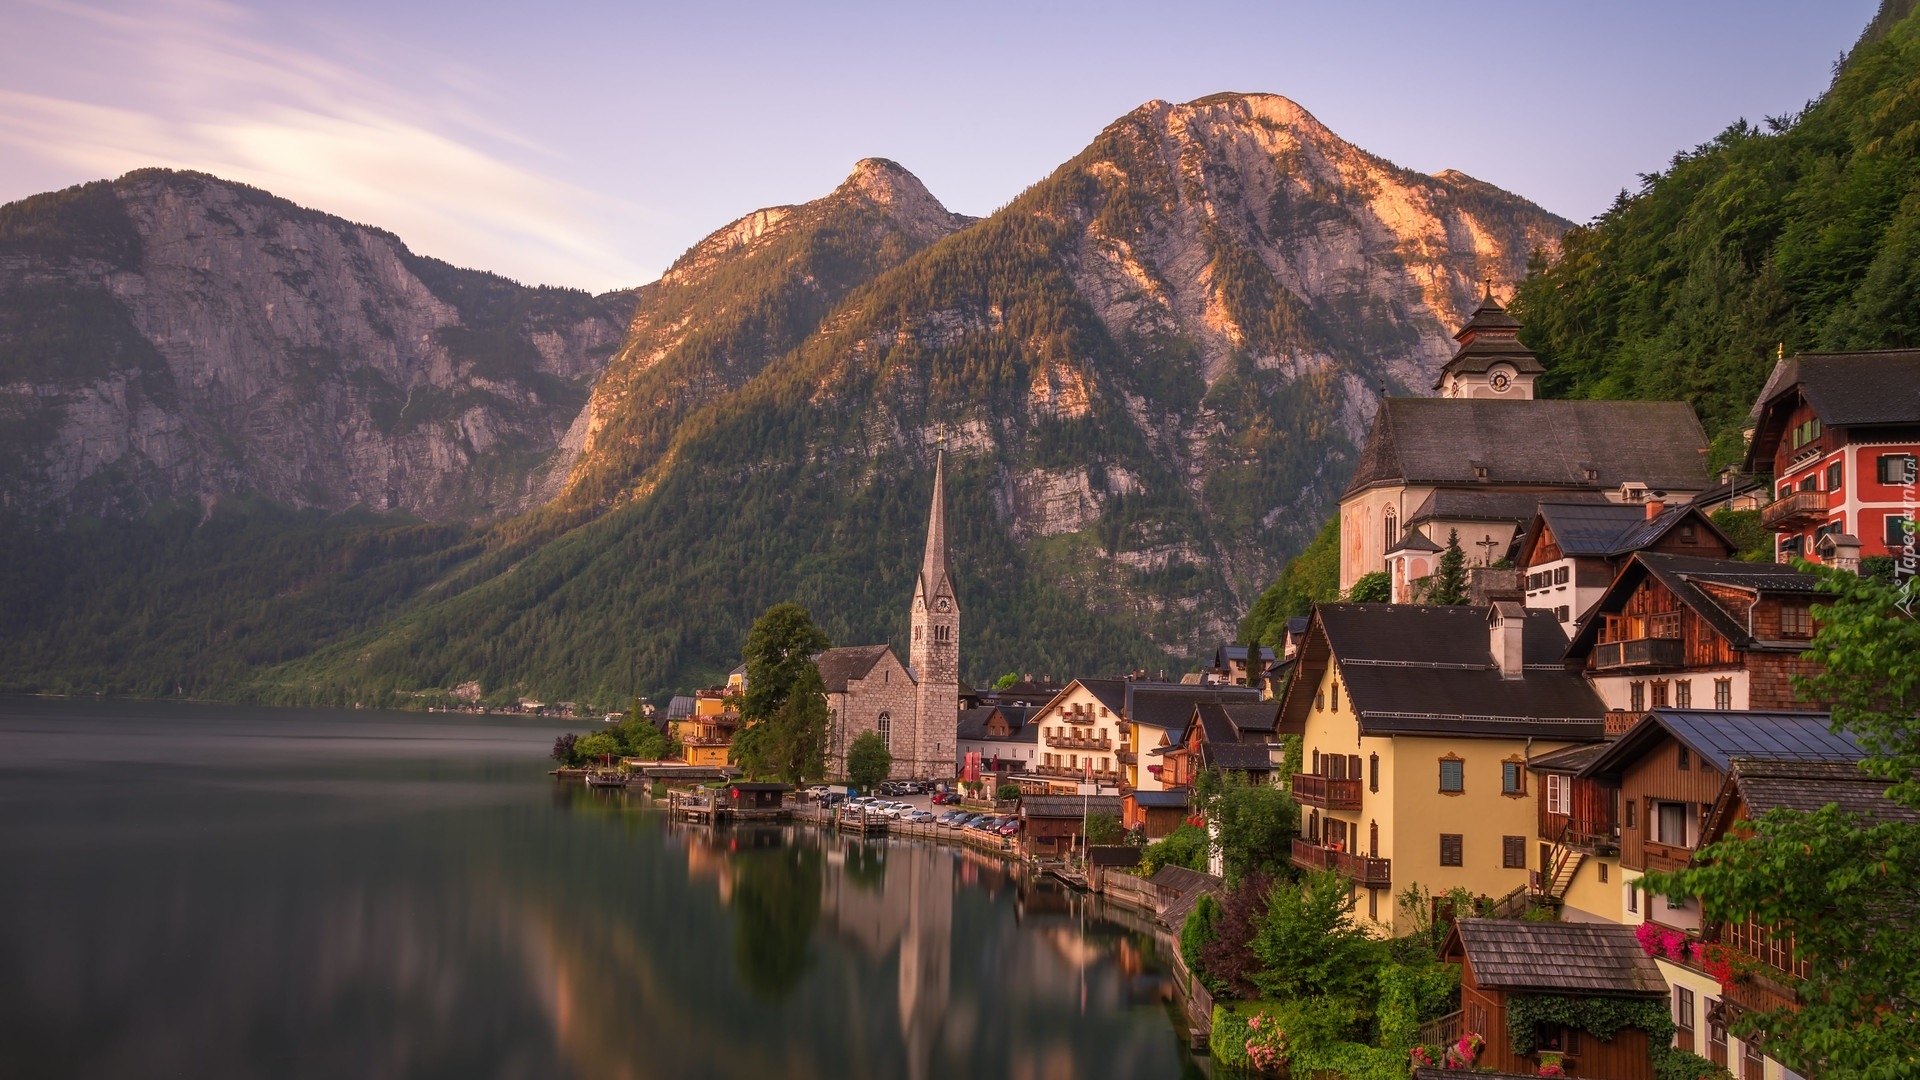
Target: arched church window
column 886, row 729
column 1392, row 529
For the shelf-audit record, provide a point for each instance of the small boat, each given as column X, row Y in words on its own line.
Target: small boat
column 606, row 780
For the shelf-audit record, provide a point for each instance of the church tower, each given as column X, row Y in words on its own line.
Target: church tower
column 935, row 653
column 1491, row 362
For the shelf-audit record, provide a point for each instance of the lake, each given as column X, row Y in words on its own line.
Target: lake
column 214, row 891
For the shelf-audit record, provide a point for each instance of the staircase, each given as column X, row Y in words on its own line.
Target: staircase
column 1566, row 863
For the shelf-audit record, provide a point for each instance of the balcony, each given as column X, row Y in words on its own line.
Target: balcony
column 1068, row 772
column 1366, row 872
column 1795, row 511
column 1124, row 757
column 1312, row 789
column 1638, row 654
column 1668, row 857
column 1620, row 721
column 1074, row 742
column 1593, row 836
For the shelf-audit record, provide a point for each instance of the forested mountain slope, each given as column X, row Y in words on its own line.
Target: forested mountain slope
column 1150, row 370
column 1802, row 232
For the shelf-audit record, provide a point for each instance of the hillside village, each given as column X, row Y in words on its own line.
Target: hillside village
column 1575, row 681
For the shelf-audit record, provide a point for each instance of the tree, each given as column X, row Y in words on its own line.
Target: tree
column 1186, row 846
column 1844, row 886
column 868, row 761
column 563, row 751
column 1253, row 824
column 1374, row 588
column 1227, row 960
column 1104, row 829
column 1449, row 584
column 1308, row 944
column 1006, row 680
column 597, row 747
column 1312, row 577
column 781, row 645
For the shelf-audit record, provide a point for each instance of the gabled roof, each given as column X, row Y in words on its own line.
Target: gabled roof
column 1555, row 957
column 1430, row 670
column 1068, row 806
column 1452, row 504
column 837, row 666
column 1803, row 785
column 1534, row 443
column 1238, row 652
column 1717, row 738
column 1253, row 717
column 1567, row 759
column 1175, row 799
column 973, row 724
column 1609, row 529
column 1684, row 576
column 1857, row 389
column 1242, row 757
column 1170, row 705
column 1111, row 693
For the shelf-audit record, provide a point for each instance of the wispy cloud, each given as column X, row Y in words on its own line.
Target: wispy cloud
column 194, row 84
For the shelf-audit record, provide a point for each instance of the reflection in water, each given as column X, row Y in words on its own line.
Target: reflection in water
column 355, row 894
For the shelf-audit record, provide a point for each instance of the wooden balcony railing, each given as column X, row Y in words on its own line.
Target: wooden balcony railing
column 1072, row 742
column 1068, row 772
column 1595, row 836
column 1312, row 789
column 1124, row 757
column 1663, row 857
column 1795, row 511
column 1647, row 653
column 1366, row 872
column 1445, row 1031
column 1619, row 721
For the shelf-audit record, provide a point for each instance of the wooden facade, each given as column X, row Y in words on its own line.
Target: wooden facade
column 1483, row 1011
column 1656, row 780
column 1653, row 612
column 1590, row 823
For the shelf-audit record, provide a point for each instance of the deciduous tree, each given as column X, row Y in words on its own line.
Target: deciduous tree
column 868, row 761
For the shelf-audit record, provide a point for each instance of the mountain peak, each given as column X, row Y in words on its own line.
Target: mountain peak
column 888, row 184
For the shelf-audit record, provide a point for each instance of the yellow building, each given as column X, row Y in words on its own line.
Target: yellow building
column 706, row 736
column 1417, row 727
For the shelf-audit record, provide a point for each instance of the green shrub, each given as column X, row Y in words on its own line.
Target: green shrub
column 1007, row 792
column 1185, row 846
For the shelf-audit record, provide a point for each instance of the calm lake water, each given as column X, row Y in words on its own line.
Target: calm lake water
column 229, row 892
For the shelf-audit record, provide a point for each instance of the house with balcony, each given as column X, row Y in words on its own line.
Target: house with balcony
column 1572, row 550
column 1417, row 727
column 1237, row 737
column 1082, row 734
column 1696, row 633
column 1577, row 840
column 706, row 728
column 1840, row 432
column 1155, row 715
column 1685, row 777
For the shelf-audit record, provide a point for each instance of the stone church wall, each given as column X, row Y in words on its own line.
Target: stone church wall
column 885, row 689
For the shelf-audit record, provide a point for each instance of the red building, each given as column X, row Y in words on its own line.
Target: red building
column 1841, row 434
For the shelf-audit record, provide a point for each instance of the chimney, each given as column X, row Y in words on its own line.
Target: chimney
column 1507, row 621
column 1654, row 508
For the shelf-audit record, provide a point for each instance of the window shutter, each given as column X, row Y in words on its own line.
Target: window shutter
column 1353, row 766
column 1513, row 852
column 1450, row 849
column 1373, row 772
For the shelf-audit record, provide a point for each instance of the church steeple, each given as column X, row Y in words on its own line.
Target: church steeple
column 1491, row 362
column 934, row 571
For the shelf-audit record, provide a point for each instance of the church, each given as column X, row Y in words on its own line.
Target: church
column 915, row 707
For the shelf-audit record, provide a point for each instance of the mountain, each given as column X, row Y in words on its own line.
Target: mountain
column 171, row 335
column 1799, row 233
column 1151, row 371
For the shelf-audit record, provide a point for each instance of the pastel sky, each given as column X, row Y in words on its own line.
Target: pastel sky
column 588, row 144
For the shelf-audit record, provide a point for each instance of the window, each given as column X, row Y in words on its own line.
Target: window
column 1896, row 469
column 1631, row 807
column 1320, row 701
column 1603, row 873
column 1753, row 1063
column 1670, row 824
column 1637, row 696
column 1836, row 472
column 1659, row 693
column 1559, row 794
column 1450, row 849
column 1513, row 778
column 1685, row 758
column 1810, row 482
column 1316, row 763
column 1560, row 574
column 1353, row 766
column 1796, row 621
column 1373, row 772
column 1633, row 900
column 1792, row 545
column 1558, row 1039
column 1513, row 853
column 1373, row 904
column 1392, row 530
column 1683, row 1008
column 1563, row 613
column 1683, row 693
column 1897, row 528
column 1723, row 694
column 1453, row 776
column 1689, row 533
column 1336, row 697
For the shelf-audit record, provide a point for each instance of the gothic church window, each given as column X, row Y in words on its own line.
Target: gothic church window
column 886, row 729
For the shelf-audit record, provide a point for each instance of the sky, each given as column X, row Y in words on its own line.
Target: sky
column 588, row 144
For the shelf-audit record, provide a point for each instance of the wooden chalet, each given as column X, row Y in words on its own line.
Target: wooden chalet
column 1155, row 813
column 1692, row 633
column 1228, row 736
column 1573, row 549
column 1052, row 825
column 1578, row 836
column 1501, row 957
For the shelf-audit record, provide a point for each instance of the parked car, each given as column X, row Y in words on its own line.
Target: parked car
column 945, row 798
column 920, row 817
column 1010, row 827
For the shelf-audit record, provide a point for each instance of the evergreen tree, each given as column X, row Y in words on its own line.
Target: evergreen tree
column 1449, row 584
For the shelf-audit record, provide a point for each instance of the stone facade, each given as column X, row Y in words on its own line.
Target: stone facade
column 883, row 700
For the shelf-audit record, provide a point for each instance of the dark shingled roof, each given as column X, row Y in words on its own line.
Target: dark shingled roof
column 1170, row 705
column 1557, row 957
column 973, row 724
column 1430, row 670
column 1568, row 759
column 1514, row 506
column 1068, row 806
column 1260, row 717
column 1536, row 443
column 1682, row 575
column 1718, row 738
column 1810, row 785
column 1109, row 692
column 1161, row 800
column 837, row 666
column 1601, row 529
column 1489, row 337
column 1238, row 757
column 1179, row 890
column 1861, row 389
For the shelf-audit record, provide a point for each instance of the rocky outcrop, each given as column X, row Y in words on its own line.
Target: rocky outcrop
column 171, row 335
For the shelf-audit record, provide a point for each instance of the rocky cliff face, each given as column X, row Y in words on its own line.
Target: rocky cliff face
column 172, row 335
column 737, row 300
column 1151, row 371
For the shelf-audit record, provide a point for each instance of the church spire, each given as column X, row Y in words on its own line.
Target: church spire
column 934, row 566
